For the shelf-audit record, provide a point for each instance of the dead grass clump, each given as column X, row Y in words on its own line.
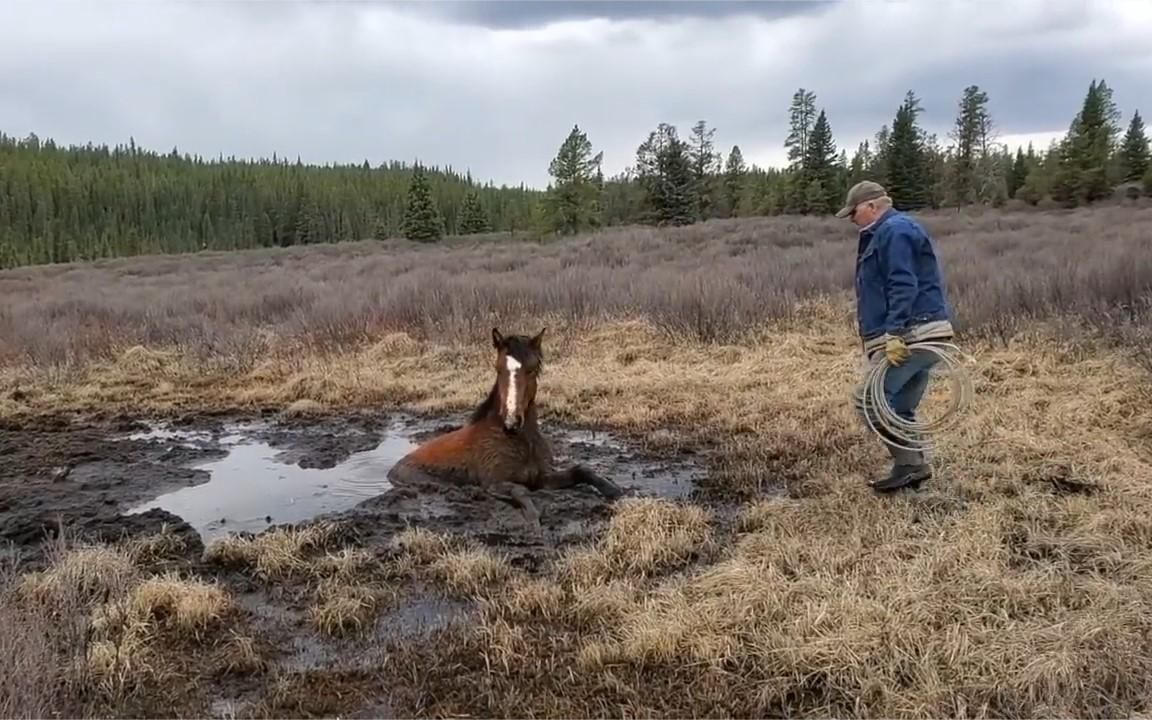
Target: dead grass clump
column 344, row 609
column 529, row 599
column 471, row 571
column 346, row 565
column 34, row 672
column 304, row 407
column 141, row 361
column 85, row 573
column 394, row 344
column 163, row 545
column 423, row 546
column 277, row 553
column 646, row 537
column 189, row 607
column 242, row 655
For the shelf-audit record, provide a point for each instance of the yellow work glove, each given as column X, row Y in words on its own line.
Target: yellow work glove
column 896, row 351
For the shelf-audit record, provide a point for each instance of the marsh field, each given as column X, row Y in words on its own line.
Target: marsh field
column 192, row 494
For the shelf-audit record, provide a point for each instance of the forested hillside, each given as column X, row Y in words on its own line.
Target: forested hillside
column 59, row 204
column 65, row 203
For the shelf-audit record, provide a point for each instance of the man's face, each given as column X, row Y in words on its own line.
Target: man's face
column 863, row 214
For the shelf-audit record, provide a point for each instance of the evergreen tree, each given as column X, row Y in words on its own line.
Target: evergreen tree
column 861, row 166
column 666, row 173
column 971, row 135
column 574, row 199
column 422, row 220
column 802, row 118
column 909, row 182
column 1082, row 175
column 705, row 166
column 735, row 172
column 1134, row 156
column 820, row 177
column 878, row 169
column 473, row 217
column 1019, row 172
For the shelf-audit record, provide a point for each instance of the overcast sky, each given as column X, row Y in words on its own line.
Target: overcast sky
column 494, row 87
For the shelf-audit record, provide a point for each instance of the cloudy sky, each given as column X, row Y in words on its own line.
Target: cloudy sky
column 494, row 87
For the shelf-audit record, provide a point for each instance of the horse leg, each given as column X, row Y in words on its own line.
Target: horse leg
column 580, row 475
column 517, row 495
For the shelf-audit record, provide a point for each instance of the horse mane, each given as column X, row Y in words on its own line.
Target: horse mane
column 487, row 405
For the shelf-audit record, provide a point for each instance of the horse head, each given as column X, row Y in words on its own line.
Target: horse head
column 519, row 360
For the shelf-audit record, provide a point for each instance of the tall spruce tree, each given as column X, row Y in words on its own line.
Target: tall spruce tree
column 861, row 166
column 1082, row 173
column 1134, row 155
column 801, row 119
column 574, row 198
column 665, row 169
column 473, row 217
column 1019, row 172
column 422, row 219
column 909, row 181
column 705, row 167
column 819, row 171
column 971, row 136
column 735, row 174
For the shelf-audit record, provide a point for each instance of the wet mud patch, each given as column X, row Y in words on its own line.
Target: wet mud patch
column 204, row 477
column 256, row 474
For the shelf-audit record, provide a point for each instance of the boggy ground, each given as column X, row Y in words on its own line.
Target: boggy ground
column 1015, row 584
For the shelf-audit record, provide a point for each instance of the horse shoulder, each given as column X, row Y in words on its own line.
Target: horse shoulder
column 450, row 450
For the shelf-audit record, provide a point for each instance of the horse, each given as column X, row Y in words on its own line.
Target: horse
column 500, row 448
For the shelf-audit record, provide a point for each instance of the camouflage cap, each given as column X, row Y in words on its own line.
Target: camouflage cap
column 861, row 192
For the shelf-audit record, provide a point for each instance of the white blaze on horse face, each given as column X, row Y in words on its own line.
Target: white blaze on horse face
column 512, row 398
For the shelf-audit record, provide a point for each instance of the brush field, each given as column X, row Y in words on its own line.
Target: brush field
column 1015, row 583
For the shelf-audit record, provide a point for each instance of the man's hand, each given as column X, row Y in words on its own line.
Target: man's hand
column 896, row 351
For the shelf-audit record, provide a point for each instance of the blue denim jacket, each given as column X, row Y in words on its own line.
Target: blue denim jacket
column 898, row 280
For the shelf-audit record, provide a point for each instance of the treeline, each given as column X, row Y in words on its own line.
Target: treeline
column 680, row 181
column 76, row 203
column 59, row 204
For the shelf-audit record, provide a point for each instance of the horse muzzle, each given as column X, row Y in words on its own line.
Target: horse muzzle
column 513, row 425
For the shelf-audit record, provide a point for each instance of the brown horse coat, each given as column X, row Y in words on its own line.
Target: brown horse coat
column 501, row 448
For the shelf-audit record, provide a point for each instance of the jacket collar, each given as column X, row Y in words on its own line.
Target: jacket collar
column 867, row 231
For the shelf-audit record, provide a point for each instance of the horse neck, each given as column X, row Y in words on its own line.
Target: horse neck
column 489, row 411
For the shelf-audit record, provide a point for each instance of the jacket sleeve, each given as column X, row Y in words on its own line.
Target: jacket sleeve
column 900, row 282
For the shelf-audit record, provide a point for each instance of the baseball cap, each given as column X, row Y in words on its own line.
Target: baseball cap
column 862, row 191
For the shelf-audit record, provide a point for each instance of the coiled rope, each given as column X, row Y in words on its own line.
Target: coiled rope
column 915, row 435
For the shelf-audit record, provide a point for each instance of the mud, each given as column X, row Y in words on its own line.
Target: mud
column 204, row 476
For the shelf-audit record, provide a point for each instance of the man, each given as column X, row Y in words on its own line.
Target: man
column 901, row 300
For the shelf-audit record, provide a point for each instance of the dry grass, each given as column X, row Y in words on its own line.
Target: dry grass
column 1016, row 585
column 279, row 553
column 93, row 630
column 471, row 571
column 344, row 608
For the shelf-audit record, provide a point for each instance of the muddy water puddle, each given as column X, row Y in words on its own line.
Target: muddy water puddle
column 256, row 484
column 261, row 474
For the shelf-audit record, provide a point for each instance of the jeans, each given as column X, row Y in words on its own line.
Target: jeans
column 904, row 388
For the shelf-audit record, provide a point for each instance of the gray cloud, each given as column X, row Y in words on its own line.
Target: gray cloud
column 531, row 13
column 495, row 88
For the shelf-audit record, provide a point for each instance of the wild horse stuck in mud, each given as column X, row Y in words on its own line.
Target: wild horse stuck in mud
column 501, row 448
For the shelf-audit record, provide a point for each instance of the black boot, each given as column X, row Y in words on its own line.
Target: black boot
column 908, row 469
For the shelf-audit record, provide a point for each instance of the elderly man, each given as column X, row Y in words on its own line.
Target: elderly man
column 901, row 301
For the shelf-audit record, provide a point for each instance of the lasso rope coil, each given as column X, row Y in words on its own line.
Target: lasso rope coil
column 916, row 434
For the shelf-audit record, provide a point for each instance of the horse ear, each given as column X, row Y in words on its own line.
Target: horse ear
column 497, row 339
column 538, row 338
